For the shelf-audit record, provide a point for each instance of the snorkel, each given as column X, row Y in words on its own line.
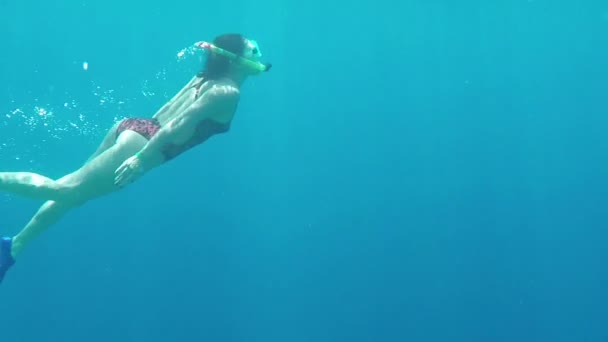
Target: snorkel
column 254, row 65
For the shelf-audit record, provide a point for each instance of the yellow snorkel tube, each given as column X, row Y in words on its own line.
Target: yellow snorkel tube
column 254, row 65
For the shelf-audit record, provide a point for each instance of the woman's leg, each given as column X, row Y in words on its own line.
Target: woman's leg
column 49, row 213
column 108, row 141
column 94, row 179
column 37, row 186
column 32, row 185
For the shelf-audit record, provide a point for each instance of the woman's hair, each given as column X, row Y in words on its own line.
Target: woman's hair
column 217, row 66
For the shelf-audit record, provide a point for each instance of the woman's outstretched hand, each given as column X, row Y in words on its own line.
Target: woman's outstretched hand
column 129, row 171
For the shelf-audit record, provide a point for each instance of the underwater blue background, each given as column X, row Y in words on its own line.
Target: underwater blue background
column 408, row 171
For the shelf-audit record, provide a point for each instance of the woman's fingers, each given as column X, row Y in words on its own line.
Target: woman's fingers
column 121, row 175
column 126, row 173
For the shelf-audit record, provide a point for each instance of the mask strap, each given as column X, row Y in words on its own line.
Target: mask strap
column 245, row 61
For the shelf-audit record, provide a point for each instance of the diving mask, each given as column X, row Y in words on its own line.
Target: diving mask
column 249, row 60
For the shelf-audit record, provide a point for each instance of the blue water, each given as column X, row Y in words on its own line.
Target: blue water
column 414, row 171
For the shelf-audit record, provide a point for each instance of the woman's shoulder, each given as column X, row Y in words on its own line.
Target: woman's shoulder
column 222, row 97
column 222, row 90
column 224, row 84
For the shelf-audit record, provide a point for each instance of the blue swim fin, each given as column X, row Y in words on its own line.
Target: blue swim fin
column 6, row 258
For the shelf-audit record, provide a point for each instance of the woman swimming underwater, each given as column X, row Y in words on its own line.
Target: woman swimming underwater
column 204, row 107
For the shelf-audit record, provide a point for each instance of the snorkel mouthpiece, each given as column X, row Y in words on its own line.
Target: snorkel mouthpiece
column 255, row 65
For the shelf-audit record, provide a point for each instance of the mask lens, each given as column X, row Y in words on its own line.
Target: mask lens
column 255, row 49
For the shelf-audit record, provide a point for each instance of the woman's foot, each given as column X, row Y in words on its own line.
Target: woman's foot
column 6, row 257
